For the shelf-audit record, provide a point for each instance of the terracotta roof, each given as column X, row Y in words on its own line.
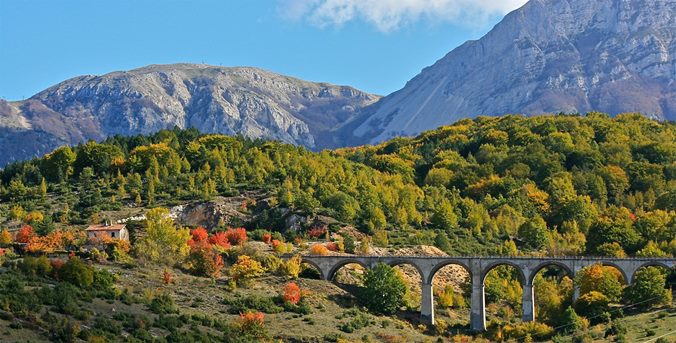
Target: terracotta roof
column 102, row 227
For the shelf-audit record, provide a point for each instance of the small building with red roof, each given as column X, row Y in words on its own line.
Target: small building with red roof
column 107, row 231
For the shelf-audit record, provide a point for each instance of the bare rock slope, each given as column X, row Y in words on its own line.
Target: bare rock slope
column 248, row 101
column 549, row 56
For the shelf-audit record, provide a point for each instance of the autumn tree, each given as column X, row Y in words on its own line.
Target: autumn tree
column 163, row 242
column 291, row 293
column 245, row 269
column 25, row 234
column 5, row 238
column 602, row 279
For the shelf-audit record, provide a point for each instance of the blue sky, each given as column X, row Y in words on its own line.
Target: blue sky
column 374, row 45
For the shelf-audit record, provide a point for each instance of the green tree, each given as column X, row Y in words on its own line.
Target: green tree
column 441, row 242
column 163, row 242
column 444, row 217
column 57, row 165
column 534, row 233
column 648, row 288
column 383, row 290
column 571, row 322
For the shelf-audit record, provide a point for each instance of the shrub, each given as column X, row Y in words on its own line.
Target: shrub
column 291, row 293
column 535, row 330
column 252, row 324
column 253, row 303
column 25, row 234
column 77, row 273
column 245, row 269
column 220, row 239
column 316, row 232
column 292, row 266
column 162, row 304
column 319, row 249
column 33, row 266
column 350, row 245
column 204, row 261
column 267, row 238
column 5, row 238
column 383, row 290
column 331, row 246
column 236, row 236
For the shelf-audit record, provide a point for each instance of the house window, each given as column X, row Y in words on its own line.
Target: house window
column 112, row 234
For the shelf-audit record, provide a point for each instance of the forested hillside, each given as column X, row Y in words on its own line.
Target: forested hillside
column 553, row 184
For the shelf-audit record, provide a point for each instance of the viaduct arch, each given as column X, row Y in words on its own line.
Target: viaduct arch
column 478, row 268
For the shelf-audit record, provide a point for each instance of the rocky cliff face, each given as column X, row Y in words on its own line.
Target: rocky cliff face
column 549, row 56
column 248, row 101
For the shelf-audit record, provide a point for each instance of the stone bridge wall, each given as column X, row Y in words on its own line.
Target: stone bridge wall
column 478, row 268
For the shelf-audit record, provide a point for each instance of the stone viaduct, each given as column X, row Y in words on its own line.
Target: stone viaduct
column 478, row 268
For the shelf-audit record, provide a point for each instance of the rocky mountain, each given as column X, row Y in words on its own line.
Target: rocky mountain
column 248, row 101
column 549, row 56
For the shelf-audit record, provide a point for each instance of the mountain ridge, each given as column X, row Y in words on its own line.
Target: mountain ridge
column 548, row 56
column 233, row 100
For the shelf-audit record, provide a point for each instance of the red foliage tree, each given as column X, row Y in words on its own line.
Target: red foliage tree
column 220, row 239
column 332, row 246
column 25, row 234
column 291, row 293
column 236, row 236
column 267, row 238
column 199, row 236
column 316, row 232
column 275, row 243
column 167, row 277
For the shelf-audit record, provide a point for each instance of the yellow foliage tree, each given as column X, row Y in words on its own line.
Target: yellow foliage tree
column 6, row 237
column 163, row 241
column 245, row 269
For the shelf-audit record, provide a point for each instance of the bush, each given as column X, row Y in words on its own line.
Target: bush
column 253, row 303
column 32, row 266
column 358, row 321
column 383, row 290
column 252, row 324
column 77, row 272
column 162, row 304
column 319, row 249
column 245, row 269
column 291, row 293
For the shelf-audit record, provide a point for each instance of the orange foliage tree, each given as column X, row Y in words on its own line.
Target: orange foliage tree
column 252, row 324
column 319, row 249
column 55, row 240
column 292, row 293
column 267, row 238
column 198, row 236
column 220, row 239
column 25, row 234
column 236, row 236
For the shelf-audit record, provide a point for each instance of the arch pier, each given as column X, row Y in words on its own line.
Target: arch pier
column 478, row 268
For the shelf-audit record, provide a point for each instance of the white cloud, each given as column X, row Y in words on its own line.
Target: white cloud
column 389, row 15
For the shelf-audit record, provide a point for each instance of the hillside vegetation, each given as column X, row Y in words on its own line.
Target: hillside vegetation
column 550, row 185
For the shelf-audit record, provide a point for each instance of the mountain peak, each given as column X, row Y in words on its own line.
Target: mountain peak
column 233, row 100
column 548, row 56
